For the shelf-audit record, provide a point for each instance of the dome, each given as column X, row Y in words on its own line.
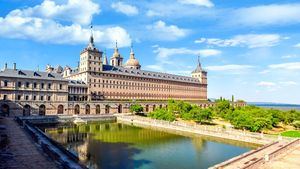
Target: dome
column 132, row 62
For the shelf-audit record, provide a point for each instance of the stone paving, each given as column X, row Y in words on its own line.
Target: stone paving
column 291, row 160
column 25, row 153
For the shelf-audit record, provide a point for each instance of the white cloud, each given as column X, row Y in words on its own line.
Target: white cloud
column 28, row 24
column 161, row 31
column 289, row 83
column 78, row 11
column 288, row 56
column 229, row 68
column 206, row 3
column 297, row 45
column 286, row 66
column 168, row 52
column 124, row 8
column 248, row 40
column 274, row 14
column 266, row 84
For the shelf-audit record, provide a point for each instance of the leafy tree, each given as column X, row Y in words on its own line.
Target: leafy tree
column 137, row 108
column 162, row 114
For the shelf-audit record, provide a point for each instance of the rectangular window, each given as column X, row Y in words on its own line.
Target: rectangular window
column 19, row 84
column 34, row 97
column 60, row 86
column 27, row 84
column 49, row 98
column 26, row 97
column 49, row 85
column 19, row 97
column 4, row 97
column 42, row 85
column 34, row 85
column 5, row 83
column 42, row 97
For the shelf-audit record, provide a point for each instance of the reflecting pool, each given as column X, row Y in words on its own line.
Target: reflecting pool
column 121, row 146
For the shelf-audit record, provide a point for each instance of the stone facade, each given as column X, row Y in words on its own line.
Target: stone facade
column 95, row 87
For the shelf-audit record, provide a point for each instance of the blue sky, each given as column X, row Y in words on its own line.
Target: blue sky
column 250, row 48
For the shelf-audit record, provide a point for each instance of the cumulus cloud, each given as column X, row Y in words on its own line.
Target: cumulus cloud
column 267, row 84
column 286, row 66
column 247, row 40
column 297, row 45
column 124, row 8
column 168, row 52
column 232, row 67
column 78, row 11
column 31, row 23
column 206, row 3
column 161, row 31
column 274, row 14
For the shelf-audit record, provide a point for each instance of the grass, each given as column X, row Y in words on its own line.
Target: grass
column 292, row 133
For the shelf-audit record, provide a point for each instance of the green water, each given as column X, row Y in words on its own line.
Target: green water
column 121, row 146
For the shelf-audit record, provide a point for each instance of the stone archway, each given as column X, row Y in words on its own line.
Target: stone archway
column 60, row 109
column 98, row 110
column 42, row 110
column 5, row 110
column 87, row 109
column 26, row 110
column 147, row 108
column 107, row 107
column 77, row 109
column 120, row 108
column 154, row 106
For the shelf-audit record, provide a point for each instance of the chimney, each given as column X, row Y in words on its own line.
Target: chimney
column 5, row 66
column 15, row 66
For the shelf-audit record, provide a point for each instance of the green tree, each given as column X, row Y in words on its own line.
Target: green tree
column 136, row 108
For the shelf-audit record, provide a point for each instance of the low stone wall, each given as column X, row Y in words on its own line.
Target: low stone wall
column 213, row 131
column 54, row 150
column 283, row 150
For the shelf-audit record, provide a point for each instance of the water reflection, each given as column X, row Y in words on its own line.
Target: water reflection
column 116, row 145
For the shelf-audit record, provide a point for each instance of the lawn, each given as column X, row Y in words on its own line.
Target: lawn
column 291, row 133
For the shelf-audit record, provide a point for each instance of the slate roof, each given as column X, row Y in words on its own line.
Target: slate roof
column 77, row 83
column 29, row 74
column 148, row 74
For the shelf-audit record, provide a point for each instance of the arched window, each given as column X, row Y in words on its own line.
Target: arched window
column 77, row 109
column 42, row 110
column 60, row 109
column 87, row 109
column 107, row 109
column 120, row 108
column 26, row 110
column 98, row 110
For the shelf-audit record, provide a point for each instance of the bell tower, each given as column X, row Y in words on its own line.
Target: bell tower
column 116, row 59
column 199, row 73
column 90, row 57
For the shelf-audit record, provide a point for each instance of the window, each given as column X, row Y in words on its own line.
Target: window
column 42, row 97
column 34, row 85
column 19, row 97
column 60, row 86
column 27, row 84
column 19, row 84
column 49, row 98
column 26, row 97
column 49, row 85
column 34, row 97
column 5, row 83
column 4, row 97
column 42, row 85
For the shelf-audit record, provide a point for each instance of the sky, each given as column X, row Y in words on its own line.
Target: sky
column 250, row 48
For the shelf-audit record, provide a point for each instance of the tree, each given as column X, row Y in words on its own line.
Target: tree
column 136, row 108
column 162, row 114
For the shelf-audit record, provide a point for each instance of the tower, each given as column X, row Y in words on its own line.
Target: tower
column 90, row 57
column 105, row 61
column 132, row 62
column 199, row 73
column 116, row 59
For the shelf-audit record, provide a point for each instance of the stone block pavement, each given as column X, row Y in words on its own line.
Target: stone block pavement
column 23, row 152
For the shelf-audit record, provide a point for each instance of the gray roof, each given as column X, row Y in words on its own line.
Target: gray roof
column 29, row 74
column 148, row 74
column 78, row 83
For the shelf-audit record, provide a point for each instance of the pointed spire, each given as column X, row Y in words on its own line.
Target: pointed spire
column 105, row 61
column 91, row 42
column 131, row 52
column 199, row 67
column 116, row 47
